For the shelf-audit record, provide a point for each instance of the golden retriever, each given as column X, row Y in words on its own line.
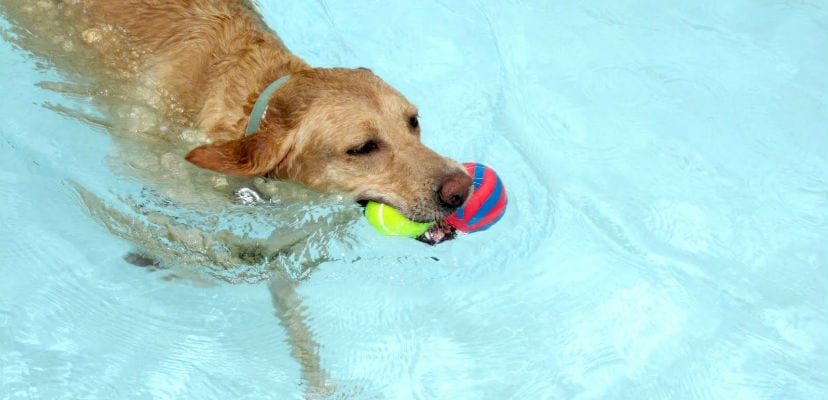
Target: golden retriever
column 332, row 129
column 205, row 63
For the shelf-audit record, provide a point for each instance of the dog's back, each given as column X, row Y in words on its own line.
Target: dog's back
column 195, row 59
column 224, row 46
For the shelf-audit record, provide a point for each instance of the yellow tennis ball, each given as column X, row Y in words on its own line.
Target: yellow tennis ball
column 390, row 222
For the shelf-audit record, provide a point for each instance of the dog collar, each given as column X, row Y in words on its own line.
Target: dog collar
column 260, row 106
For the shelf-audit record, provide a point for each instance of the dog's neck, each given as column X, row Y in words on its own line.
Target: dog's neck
column 247, row 67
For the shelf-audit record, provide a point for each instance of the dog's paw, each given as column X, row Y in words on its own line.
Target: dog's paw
column 140, row 260
column 248, row 197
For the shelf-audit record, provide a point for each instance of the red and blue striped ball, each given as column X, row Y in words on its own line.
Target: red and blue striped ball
column 486, row 204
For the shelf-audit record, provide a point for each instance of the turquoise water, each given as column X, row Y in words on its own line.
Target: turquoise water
column 665, row 237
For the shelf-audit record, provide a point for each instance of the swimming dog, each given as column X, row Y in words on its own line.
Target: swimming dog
column 332, row 129
column 256, row 108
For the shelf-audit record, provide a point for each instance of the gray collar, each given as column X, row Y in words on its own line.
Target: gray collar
column 260, row 106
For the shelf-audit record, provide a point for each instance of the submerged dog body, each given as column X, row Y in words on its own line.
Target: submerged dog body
column 332, row 129
column 203, row 64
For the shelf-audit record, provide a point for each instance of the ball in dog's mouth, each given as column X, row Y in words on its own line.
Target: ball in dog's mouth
column 437, row 233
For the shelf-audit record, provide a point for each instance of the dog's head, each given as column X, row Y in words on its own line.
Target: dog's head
column 345, row 131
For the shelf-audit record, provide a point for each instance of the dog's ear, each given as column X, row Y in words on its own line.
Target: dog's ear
column 252, row 155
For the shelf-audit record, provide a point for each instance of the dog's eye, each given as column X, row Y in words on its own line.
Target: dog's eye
column 363, row 149
column 413, row 122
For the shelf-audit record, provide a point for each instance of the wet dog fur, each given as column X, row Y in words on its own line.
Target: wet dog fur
column 203, row 64
column 332, row 129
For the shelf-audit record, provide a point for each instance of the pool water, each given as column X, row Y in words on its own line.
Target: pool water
column 667, row 171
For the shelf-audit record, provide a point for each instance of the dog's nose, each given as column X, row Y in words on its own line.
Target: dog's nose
column 454, row 190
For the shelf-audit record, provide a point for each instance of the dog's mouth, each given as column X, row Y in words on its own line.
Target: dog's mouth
column 439, row 232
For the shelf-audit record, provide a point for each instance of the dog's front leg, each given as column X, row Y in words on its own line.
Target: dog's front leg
column 304, row 349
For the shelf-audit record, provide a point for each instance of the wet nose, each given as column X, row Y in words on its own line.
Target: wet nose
column 454, row 190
